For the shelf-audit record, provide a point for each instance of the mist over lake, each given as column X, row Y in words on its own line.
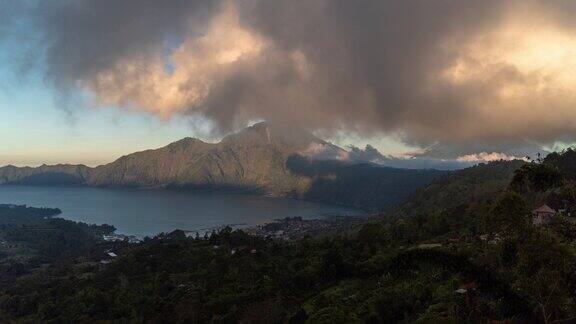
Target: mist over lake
column 142, row 212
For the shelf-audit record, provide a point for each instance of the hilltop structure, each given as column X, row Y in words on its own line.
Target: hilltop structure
column 543, row 215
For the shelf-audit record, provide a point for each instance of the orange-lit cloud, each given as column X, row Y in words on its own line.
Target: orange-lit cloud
column 145, row 83
column 453, row 72
column 486, row 157
column 525, row 71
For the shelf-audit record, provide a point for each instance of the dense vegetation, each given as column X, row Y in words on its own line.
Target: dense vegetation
column 32, row 237
column 479, row 184
column 361, row 185
column 464, row 249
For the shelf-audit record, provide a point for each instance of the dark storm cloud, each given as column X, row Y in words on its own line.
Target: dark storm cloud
column 87, row 36
column 427, row 71
column 383, row 50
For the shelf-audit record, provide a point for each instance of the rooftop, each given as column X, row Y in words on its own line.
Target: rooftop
column 544, row 209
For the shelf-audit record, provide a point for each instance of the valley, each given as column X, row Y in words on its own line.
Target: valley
column 462, row 247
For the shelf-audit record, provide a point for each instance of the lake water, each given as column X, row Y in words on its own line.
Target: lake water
column 141, row 212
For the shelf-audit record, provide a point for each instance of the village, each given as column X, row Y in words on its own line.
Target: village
column 121, row 238
column 296, row 228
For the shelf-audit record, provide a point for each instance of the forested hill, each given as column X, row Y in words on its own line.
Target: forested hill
column 478, row 184
column 476, row 258
column 550, row 180
column 260, row 159
column 465, row 250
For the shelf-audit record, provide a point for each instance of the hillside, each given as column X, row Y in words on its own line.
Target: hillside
column 61, row 174
column 252, row 160
column 465, row 252
column 359, row 184
column 260, row 159
column 400, row 271
column 478, row 184
column 550, row 181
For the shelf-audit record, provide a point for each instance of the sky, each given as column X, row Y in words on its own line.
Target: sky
column 35, row 132
column 87, row 81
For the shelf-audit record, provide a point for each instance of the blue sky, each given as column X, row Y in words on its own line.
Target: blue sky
column 35, row 128
column 35, row 131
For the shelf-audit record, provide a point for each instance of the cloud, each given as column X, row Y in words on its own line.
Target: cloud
column 143, row 82
column 487, row 157
column 372, row 155
column 325, row 151
column 452, row 72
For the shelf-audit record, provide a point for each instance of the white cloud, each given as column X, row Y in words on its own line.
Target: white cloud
column 486, row 157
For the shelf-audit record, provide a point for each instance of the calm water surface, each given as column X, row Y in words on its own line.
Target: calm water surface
column 143, row 212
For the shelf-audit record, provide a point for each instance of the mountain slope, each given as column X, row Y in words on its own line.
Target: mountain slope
column 260, row 159
column 61, row 174
column 463, row 187
column 358, row 184
column 253, row 159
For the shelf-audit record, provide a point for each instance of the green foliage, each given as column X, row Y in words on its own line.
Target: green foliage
column 508, row 215
column 563, row 197
column 476, row 185
column 20, row 215
column 363, row 185
column 537, row 177
column 343, row 280
column 461, row 250
column 563, row 161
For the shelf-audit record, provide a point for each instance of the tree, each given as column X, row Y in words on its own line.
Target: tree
column 543, row 266
column 509, row 215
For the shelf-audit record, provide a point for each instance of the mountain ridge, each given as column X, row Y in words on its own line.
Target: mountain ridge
column 262, row 159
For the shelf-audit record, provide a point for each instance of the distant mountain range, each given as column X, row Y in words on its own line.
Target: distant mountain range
column 260, row 159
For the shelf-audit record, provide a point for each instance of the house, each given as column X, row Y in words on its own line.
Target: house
column 133, row 239
column 121, row 238
column 113, row 238
column 466, row 291
column 543, row 215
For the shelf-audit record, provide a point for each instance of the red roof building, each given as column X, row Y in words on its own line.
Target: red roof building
column 543, row 215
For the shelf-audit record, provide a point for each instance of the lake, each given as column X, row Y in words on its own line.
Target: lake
column 142, row 212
